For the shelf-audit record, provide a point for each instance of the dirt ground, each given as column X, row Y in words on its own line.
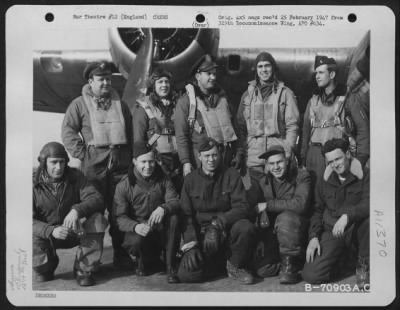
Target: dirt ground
column 110, row 279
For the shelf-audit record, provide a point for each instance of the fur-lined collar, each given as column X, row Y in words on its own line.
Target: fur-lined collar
column 355, row 169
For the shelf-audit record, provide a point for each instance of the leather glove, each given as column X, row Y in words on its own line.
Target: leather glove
column 192, row 259
column 214, row 237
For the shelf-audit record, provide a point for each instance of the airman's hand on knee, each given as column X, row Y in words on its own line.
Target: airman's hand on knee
column 313, row 246
column 142, row 229
column 60, row 232
column 71, row 220
column 340, row 226
column 156, row 216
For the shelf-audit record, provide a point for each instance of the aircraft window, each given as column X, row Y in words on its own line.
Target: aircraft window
column 52, row 64
column 234, row 62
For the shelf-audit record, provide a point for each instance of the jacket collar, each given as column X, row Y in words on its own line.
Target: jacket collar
column 340, row 90
column 278, row 84
column 87, row 92
column 215, row 176
column 355, row 169
column 39, row 177
column 154, row 98
column 217, row 91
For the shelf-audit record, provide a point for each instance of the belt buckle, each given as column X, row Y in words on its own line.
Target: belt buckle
column 114, row 146
column 167, row 131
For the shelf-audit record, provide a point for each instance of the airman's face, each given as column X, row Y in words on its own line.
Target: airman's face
column 339, row 161
column 210, row 160
column 264, row 71
column 277, row 165
column 162, row 87
column 323, row 77
column 55, row 167
column 100, row 85
column 145, row 164
column 207, row 80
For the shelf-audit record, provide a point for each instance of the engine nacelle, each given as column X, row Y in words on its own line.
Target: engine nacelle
column 176, row 50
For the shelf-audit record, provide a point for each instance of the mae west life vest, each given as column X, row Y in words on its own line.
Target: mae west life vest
column 262, row 116
column 262, row 122
column 328, row 122
column 108, row 127
column 217, row 121
column 164, row 140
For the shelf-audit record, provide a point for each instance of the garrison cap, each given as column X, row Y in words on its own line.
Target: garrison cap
column 272, row 150
column 141, row 148
column 97, row 68
column 204, row 64
column 323, row 60
column 207, row 144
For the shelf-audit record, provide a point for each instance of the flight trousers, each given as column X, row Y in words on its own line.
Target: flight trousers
column 88, row 253
column 238, row 249
column 322, row 269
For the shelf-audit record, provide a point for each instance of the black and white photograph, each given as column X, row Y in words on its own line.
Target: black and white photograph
column 201, row 156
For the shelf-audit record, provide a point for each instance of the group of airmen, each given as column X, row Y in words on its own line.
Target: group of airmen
column 186, row 185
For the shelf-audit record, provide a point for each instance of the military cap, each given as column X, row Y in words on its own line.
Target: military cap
column 141, row 148
column 204, row 64
column 323, row 60
column 97, row 68
column 272, row 150
column 207, row 144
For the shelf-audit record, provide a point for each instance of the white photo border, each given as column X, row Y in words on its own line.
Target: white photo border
column 24, row 25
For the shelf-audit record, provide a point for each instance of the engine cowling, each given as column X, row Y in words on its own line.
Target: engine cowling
column 174, row 49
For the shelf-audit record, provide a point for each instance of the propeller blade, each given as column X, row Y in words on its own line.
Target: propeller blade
column 136, row 84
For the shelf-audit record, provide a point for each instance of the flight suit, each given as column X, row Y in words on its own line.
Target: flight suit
column 49, row 211
column 212, row 118
column 105, row 155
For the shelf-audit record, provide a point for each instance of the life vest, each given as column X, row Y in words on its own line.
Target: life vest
column 327, row 121
column 217, row 121
column 262, row 122
column 262, row 117
column 108, row 127
column 163, row 140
